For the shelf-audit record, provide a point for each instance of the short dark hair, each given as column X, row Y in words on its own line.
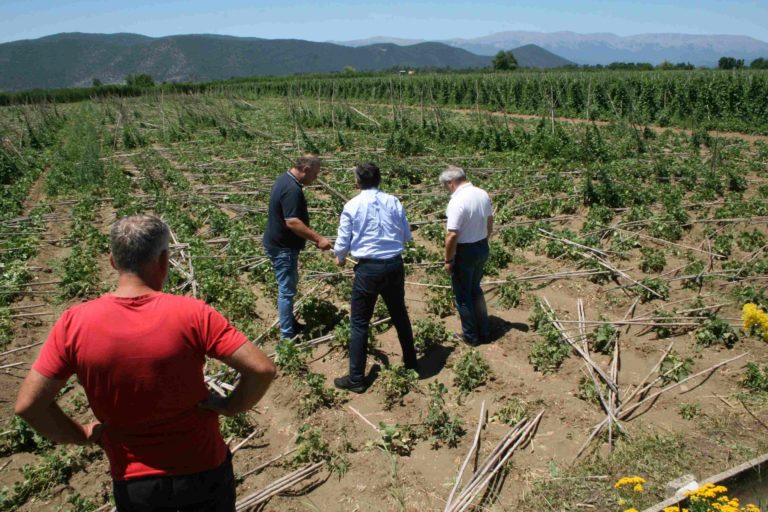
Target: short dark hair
column 307, row 161
column 137, row 240
column 367, row 175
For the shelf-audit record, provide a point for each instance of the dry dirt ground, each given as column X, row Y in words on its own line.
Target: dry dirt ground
column 422, row 481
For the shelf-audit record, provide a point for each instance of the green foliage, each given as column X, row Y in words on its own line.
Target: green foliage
column 504, row 61
column 55, row 468
column 603, row 338
column 442, row 427
column 694, row 271
column 689, row 411
column 396, row 382
column 399, row 439
column 319, row 315
column 22, row 438
column 652, row 288
column 653, row 260
column 81, row 278
column 139, row 80
column 512, row 412
column 716, row 331
column 311, row 447
column 675, row 368
column 428, row 333
column 440, row 302
column 238, row 425
column 290, row 358
column 751, row 240
column 511, row 293
column 589, row 393
column 470, row 371
column 316, row 395
column 550, row 350
column 755, row 379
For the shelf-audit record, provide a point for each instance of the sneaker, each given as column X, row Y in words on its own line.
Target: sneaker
column 298, row 327
column 349, row 385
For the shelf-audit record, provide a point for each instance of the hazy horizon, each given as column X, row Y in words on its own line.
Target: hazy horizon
column 344, row 20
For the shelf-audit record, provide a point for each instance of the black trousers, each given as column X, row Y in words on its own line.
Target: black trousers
column 374, row 278
column 207, row 491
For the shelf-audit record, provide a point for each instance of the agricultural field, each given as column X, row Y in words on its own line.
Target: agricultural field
column 623, row 256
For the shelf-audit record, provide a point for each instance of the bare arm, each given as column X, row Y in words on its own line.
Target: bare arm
column 307, row 233
column 451, row 239
column 256, row 374
column 36, row 404
column 490, row 226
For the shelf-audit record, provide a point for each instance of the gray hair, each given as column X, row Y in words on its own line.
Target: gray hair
column 452, row 173
column 137, row 240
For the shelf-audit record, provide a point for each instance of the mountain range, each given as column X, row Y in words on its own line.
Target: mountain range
column 76, row 59
column 604, row 48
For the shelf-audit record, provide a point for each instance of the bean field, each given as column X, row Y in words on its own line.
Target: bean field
column 629, row 240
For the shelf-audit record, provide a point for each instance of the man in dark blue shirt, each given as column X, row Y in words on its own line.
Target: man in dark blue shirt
column 287, row 232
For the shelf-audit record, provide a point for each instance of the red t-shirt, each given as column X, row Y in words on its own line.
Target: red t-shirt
column 141, row 361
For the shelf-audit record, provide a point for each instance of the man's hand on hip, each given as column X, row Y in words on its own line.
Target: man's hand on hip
column 215, row 403
column 341, row 262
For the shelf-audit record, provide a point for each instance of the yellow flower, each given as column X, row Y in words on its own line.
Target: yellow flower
column 631, row 510
column 638, row 488
column 753, row 316
column 629, row 480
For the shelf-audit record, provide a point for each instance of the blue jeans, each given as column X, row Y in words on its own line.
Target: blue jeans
column 470, row 301
column 374, row 278
column 286, row 265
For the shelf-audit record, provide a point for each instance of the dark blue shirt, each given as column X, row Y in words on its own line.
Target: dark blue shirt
column 285, row 202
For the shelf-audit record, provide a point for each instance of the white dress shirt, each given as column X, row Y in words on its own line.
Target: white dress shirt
column 372, row 225
column 468, row 212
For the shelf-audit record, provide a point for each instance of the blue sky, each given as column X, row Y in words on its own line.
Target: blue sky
column 349, row 19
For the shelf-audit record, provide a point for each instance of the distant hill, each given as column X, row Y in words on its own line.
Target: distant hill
column 701, row 50
column 75, row 59
column 532, row 56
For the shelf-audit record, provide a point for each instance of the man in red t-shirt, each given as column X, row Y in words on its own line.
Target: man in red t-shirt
column 139, row 354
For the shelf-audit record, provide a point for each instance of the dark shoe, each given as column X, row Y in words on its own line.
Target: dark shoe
column 349, row 385
column 298, row 328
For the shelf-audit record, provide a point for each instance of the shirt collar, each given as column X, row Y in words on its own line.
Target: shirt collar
column 460, row 187
column 371, row 190
column 289, row 173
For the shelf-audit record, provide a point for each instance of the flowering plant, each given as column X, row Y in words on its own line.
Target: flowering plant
column 754, row 317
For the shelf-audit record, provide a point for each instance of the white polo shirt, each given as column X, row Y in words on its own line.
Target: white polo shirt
column 468, row 212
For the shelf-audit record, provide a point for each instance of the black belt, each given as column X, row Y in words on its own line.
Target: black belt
column 393, row 259
column 473, row 243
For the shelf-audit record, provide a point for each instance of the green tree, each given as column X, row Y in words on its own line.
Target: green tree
column 140, row 80
column 505, row 61
column 730, row 63
column 759, row 63
column 96, row 82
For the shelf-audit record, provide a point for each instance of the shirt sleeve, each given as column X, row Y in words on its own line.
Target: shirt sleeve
column 220, row 339
column 290, row 201
column 343, row 234
column 407, row 236
column 54, row 360
column 487, row 206
column 453, row 212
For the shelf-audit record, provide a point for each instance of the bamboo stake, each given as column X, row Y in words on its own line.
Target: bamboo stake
column 25, row 347
column 472, row 449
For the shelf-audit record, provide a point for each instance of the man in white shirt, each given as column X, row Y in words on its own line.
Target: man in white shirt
column 374, row 229
column 469, row 226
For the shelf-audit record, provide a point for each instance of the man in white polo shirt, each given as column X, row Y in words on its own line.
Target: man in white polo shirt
column 470, row 225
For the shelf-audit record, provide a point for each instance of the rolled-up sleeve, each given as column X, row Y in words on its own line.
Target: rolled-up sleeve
column 343, row 234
